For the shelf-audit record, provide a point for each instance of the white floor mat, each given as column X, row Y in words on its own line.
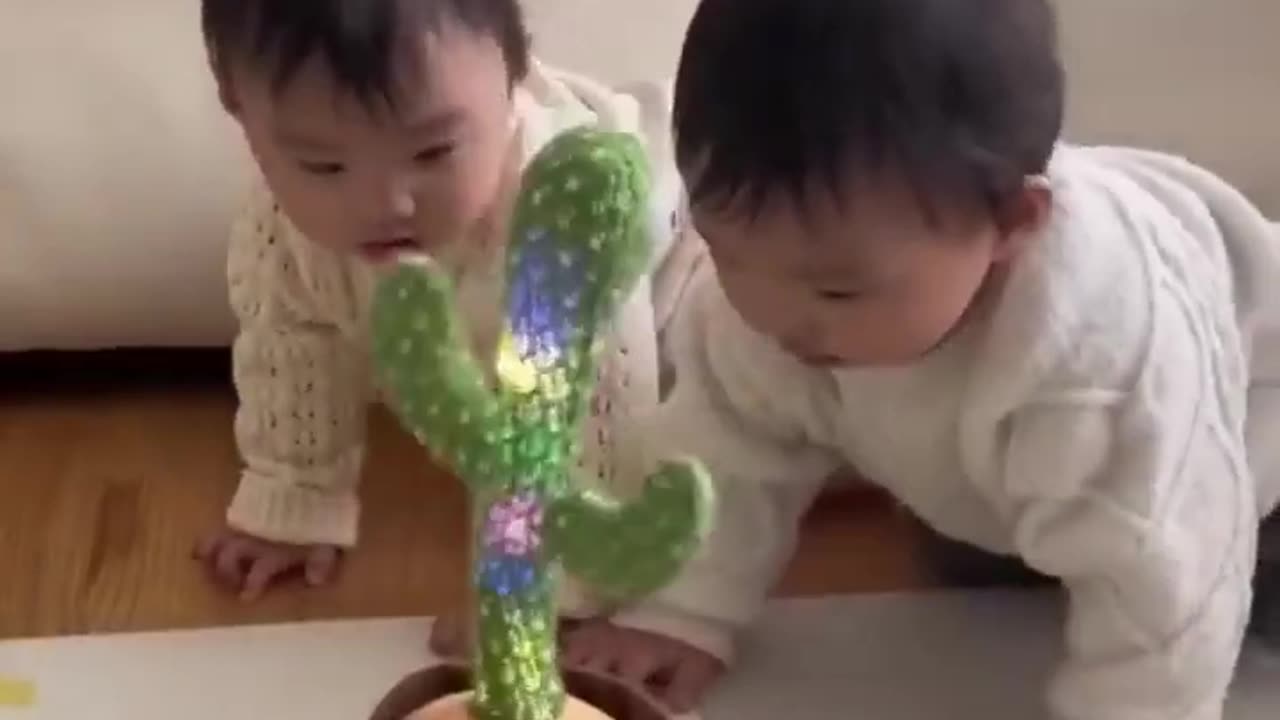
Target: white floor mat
column 981, row 656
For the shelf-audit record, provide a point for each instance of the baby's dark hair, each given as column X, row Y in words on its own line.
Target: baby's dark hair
column 356, row 39
column 961, row 100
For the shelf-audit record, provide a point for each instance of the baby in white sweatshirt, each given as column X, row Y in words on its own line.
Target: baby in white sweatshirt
column 1064, row 355
column 381, row 127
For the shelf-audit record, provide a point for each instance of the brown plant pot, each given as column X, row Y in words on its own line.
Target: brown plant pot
column 441, row 691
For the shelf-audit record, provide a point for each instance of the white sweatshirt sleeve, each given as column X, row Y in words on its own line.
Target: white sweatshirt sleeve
column 1141, row 502
column 303, row 393
column 746, row 411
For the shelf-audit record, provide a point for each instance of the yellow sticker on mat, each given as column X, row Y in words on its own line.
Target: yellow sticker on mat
column 16, row 693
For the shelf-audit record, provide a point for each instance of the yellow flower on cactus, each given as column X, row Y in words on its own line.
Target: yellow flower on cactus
column 525, row 373
column 518, row 374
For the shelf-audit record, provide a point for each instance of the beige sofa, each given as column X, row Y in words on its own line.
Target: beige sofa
column 118, row 173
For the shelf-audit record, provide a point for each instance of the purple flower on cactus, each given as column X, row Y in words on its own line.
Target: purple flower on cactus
column 512, row 534
column 514, row 525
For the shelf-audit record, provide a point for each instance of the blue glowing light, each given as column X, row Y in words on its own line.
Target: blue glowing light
column 508, row 575
column 542, row 300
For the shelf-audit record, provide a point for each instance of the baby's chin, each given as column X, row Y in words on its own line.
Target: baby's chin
column 824, row 361
column 821, row 361
column 866, row 360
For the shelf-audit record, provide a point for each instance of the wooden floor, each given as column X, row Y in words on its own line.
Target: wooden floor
column 112, row 465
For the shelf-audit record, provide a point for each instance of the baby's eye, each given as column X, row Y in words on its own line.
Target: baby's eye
column 838, row 295
column 433, row 154
column 321, row 168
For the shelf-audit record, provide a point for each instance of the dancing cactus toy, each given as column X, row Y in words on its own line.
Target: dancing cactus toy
column 578, row 245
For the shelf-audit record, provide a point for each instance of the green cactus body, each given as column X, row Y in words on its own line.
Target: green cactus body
column 578, row 246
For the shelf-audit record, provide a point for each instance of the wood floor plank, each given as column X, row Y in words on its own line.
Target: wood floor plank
column 107, row 480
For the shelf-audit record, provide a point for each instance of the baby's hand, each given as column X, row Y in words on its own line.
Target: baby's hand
column 676, row 673
column 248, row 565
column 450, row 636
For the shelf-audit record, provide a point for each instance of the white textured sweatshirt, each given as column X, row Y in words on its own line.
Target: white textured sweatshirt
column 301, row 357
column 1094, row 423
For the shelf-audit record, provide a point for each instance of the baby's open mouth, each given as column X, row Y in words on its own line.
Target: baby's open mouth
column 389, row 249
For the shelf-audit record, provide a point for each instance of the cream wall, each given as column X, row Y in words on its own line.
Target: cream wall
column 1201, row 77
column 620, row 40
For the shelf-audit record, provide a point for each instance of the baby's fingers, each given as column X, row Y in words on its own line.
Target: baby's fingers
column 450, row 636
column 689, row 684
column 585, row 649
column 321, row 563
column 638, row 666
column 227, row 561
column 262, row 571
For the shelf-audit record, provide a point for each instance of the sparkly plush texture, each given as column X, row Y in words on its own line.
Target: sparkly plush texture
column 578, row 245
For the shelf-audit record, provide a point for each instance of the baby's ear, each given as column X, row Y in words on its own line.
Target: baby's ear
column 1024, row 216
column 218, row 66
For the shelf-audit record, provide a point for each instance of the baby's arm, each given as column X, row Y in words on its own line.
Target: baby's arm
column 631, row 363
column 300, row 425
column 626, row 387
column 744, row 410
column 1142, row 503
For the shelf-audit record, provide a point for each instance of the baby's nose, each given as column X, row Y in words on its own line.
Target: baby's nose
column 401, row 202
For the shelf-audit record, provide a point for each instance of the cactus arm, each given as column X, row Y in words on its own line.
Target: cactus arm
column 630, row 550
column 437, row 389
column 579, row 245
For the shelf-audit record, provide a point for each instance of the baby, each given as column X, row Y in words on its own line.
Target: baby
column 1065, row 355
column 379, row 127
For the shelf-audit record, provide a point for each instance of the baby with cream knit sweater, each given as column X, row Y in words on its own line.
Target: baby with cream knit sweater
column 380, row 127
column 1062, row 355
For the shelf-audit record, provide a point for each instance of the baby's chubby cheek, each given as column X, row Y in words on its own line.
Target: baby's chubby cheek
column 319, row 219
column 326, row 218
column 471, row 209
